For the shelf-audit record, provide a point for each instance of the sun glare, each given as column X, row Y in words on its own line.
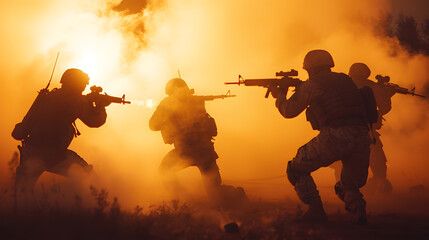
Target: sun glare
column 88, row 63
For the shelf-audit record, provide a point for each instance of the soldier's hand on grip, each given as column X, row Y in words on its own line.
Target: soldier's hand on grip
column 275, row 92
column 102, row 101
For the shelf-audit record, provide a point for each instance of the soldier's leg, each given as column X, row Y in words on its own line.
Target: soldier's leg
column 337, row 168
column 211, row 177
column 224, row 195
column 172, row 163
column 378, row 165
column 378, row 160
column 71, row 165
column 27, row 173
column 30, row 168
column 353, row 177
column 309, row 158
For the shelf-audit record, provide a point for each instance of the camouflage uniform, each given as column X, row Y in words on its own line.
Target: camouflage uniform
column 53, row 129
column 343, row 136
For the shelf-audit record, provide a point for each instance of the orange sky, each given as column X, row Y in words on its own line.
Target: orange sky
column 210, row 42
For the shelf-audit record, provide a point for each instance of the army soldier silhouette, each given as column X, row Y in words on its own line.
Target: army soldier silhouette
column 360, row 72
column 334, row 106
column 184, row 122
column 49, row 127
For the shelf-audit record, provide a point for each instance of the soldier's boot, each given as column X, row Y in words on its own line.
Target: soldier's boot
column 361, row 218
column 315, row 212
column 358, row 208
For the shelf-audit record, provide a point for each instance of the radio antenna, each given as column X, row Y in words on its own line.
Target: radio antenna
column 53, row 70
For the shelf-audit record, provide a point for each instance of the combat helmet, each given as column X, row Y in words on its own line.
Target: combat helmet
column 73, row 77
column 359, row 70
column 318, row 58
column 175, row 84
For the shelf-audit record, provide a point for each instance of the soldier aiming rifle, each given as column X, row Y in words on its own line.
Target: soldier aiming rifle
column 383, row 92
column 49, row 127
column 385, row 80
column 184, row 122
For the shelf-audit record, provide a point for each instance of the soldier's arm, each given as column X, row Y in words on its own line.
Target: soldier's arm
column 90, row 115
column 297, row 103
column 156, row 122
column 383, row 95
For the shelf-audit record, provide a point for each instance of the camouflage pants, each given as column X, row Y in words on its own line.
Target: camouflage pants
column 377, row 160
column 34, row 161
column 348, row 144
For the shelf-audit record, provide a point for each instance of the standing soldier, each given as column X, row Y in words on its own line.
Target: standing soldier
column 183, row 121
column 49, row 127
column 335, row 108
column 360, row 72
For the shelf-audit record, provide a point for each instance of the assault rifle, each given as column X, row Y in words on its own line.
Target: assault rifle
column 385, row 80
column 97, row 97
column 285, row 81
column 212, row 97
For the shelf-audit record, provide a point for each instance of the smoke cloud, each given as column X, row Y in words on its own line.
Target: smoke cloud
column 135, row 47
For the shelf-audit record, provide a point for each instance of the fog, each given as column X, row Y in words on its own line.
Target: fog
column 136, row 49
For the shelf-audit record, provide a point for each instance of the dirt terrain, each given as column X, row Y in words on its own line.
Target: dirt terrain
column 396, row 216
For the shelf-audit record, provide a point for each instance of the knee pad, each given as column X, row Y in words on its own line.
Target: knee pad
column 292, row 175
column 339, row 190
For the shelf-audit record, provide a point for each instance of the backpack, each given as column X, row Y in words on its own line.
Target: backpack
column 23, row 128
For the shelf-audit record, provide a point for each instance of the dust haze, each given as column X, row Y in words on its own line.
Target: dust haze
column 135, row 49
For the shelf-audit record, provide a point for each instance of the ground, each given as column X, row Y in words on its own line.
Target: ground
column 395, row 216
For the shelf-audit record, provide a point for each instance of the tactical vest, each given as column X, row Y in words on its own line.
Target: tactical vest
column 186, row 122
column 340, row 105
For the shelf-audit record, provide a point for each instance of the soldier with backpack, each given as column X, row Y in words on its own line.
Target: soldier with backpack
column 359, row 72
column 49, row 127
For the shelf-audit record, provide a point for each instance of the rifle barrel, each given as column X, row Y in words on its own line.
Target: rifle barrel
column 418, row 95
column 212, row 97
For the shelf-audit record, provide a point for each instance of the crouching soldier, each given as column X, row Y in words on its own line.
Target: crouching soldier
column 184, row 122
column 335, row 108
column 49, row 127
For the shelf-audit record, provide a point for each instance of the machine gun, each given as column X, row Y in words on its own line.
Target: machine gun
column 385, row 80
column 285, row 81
column 212, row 97
column 96, row 97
